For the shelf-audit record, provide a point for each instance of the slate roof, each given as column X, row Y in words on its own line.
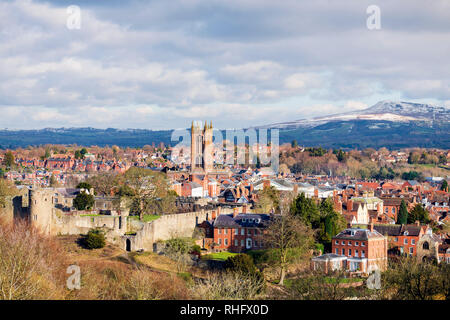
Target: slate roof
column 68, row 192
column 398, row 230
column 357, row 234
column 244, row 220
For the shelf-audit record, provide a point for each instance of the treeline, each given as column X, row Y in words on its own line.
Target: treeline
column 364, row 164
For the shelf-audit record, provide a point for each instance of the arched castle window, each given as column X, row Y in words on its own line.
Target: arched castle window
column 426, row 246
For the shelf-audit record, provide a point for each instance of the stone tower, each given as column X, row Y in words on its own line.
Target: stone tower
column 41, row 209
column 201, row 148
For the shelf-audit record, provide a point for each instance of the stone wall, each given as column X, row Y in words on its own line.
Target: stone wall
column 166, row 227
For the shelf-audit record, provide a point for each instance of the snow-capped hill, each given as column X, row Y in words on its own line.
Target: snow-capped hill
column 382, row 111
column 416, row 110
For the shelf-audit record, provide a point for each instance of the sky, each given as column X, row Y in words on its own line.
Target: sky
column 240, row 63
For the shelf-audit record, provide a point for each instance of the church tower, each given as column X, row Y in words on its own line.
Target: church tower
column 201, row 148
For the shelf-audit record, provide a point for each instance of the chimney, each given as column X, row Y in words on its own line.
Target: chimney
column 371, row 227
column 235, row 212
column 349, row 205
column 380, row 209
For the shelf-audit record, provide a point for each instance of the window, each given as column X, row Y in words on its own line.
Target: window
column 413, row 241
column 363, row 244
column 387, row 210
column 393, row 210
column 236, row 243
column 363, row 254
column 336, row 242
column 343, row 242
column 343, row 252
column 225, row 242
column 396, row 239
column 256, row 243
column 249, row 231
column 349, row 252
column 356, row 243
column 224, row 231
column 356, row 253
column 242, row 243
column 426, row 246
column 236, row 231
column 405, row 241
column 349, row 243
column 242, row 231
column 220, row 242
column 411, row 250
column 219, row 231
column 337, row 251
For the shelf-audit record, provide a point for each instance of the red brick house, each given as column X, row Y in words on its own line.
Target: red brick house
column 239, row 232
column 365, row 249
column 402, row 239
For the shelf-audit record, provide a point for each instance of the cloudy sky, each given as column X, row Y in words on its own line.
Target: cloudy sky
column 162, row 64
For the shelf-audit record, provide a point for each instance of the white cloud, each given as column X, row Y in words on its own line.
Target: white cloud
column 150, row 64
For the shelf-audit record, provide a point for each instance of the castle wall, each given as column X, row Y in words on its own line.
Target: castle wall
column 165, row 228
column 50, row 220
column 41, row 209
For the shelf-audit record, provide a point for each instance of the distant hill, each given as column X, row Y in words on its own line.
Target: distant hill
column 386, row 124
column 391, row 111
column 83, row 136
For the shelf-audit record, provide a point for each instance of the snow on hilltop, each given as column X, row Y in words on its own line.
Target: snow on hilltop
column 384, row 110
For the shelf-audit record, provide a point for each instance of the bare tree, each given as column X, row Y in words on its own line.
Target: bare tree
column 288, row 237
column 227, row 286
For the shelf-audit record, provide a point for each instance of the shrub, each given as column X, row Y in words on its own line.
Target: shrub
column 196, row 249
column 95, row 239
column 83, row 201
column 243, row 264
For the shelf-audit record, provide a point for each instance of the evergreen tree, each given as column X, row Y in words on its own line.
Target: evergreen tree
column 83, row 201
column 444, row 185
column 307, row 210
column 402, row 217
column 418, row 213
column 9, row 159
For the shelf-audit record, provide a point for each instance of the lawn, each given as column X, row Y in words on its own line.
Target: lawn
column 221, row 256
column 147, row 217
column 342, row 280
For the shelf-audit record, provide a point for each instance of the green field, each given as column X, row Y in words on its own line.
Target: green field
column 221, row 256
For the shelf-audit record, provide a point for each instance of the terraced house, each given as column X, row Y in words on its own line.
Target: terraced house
column 402, row 239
